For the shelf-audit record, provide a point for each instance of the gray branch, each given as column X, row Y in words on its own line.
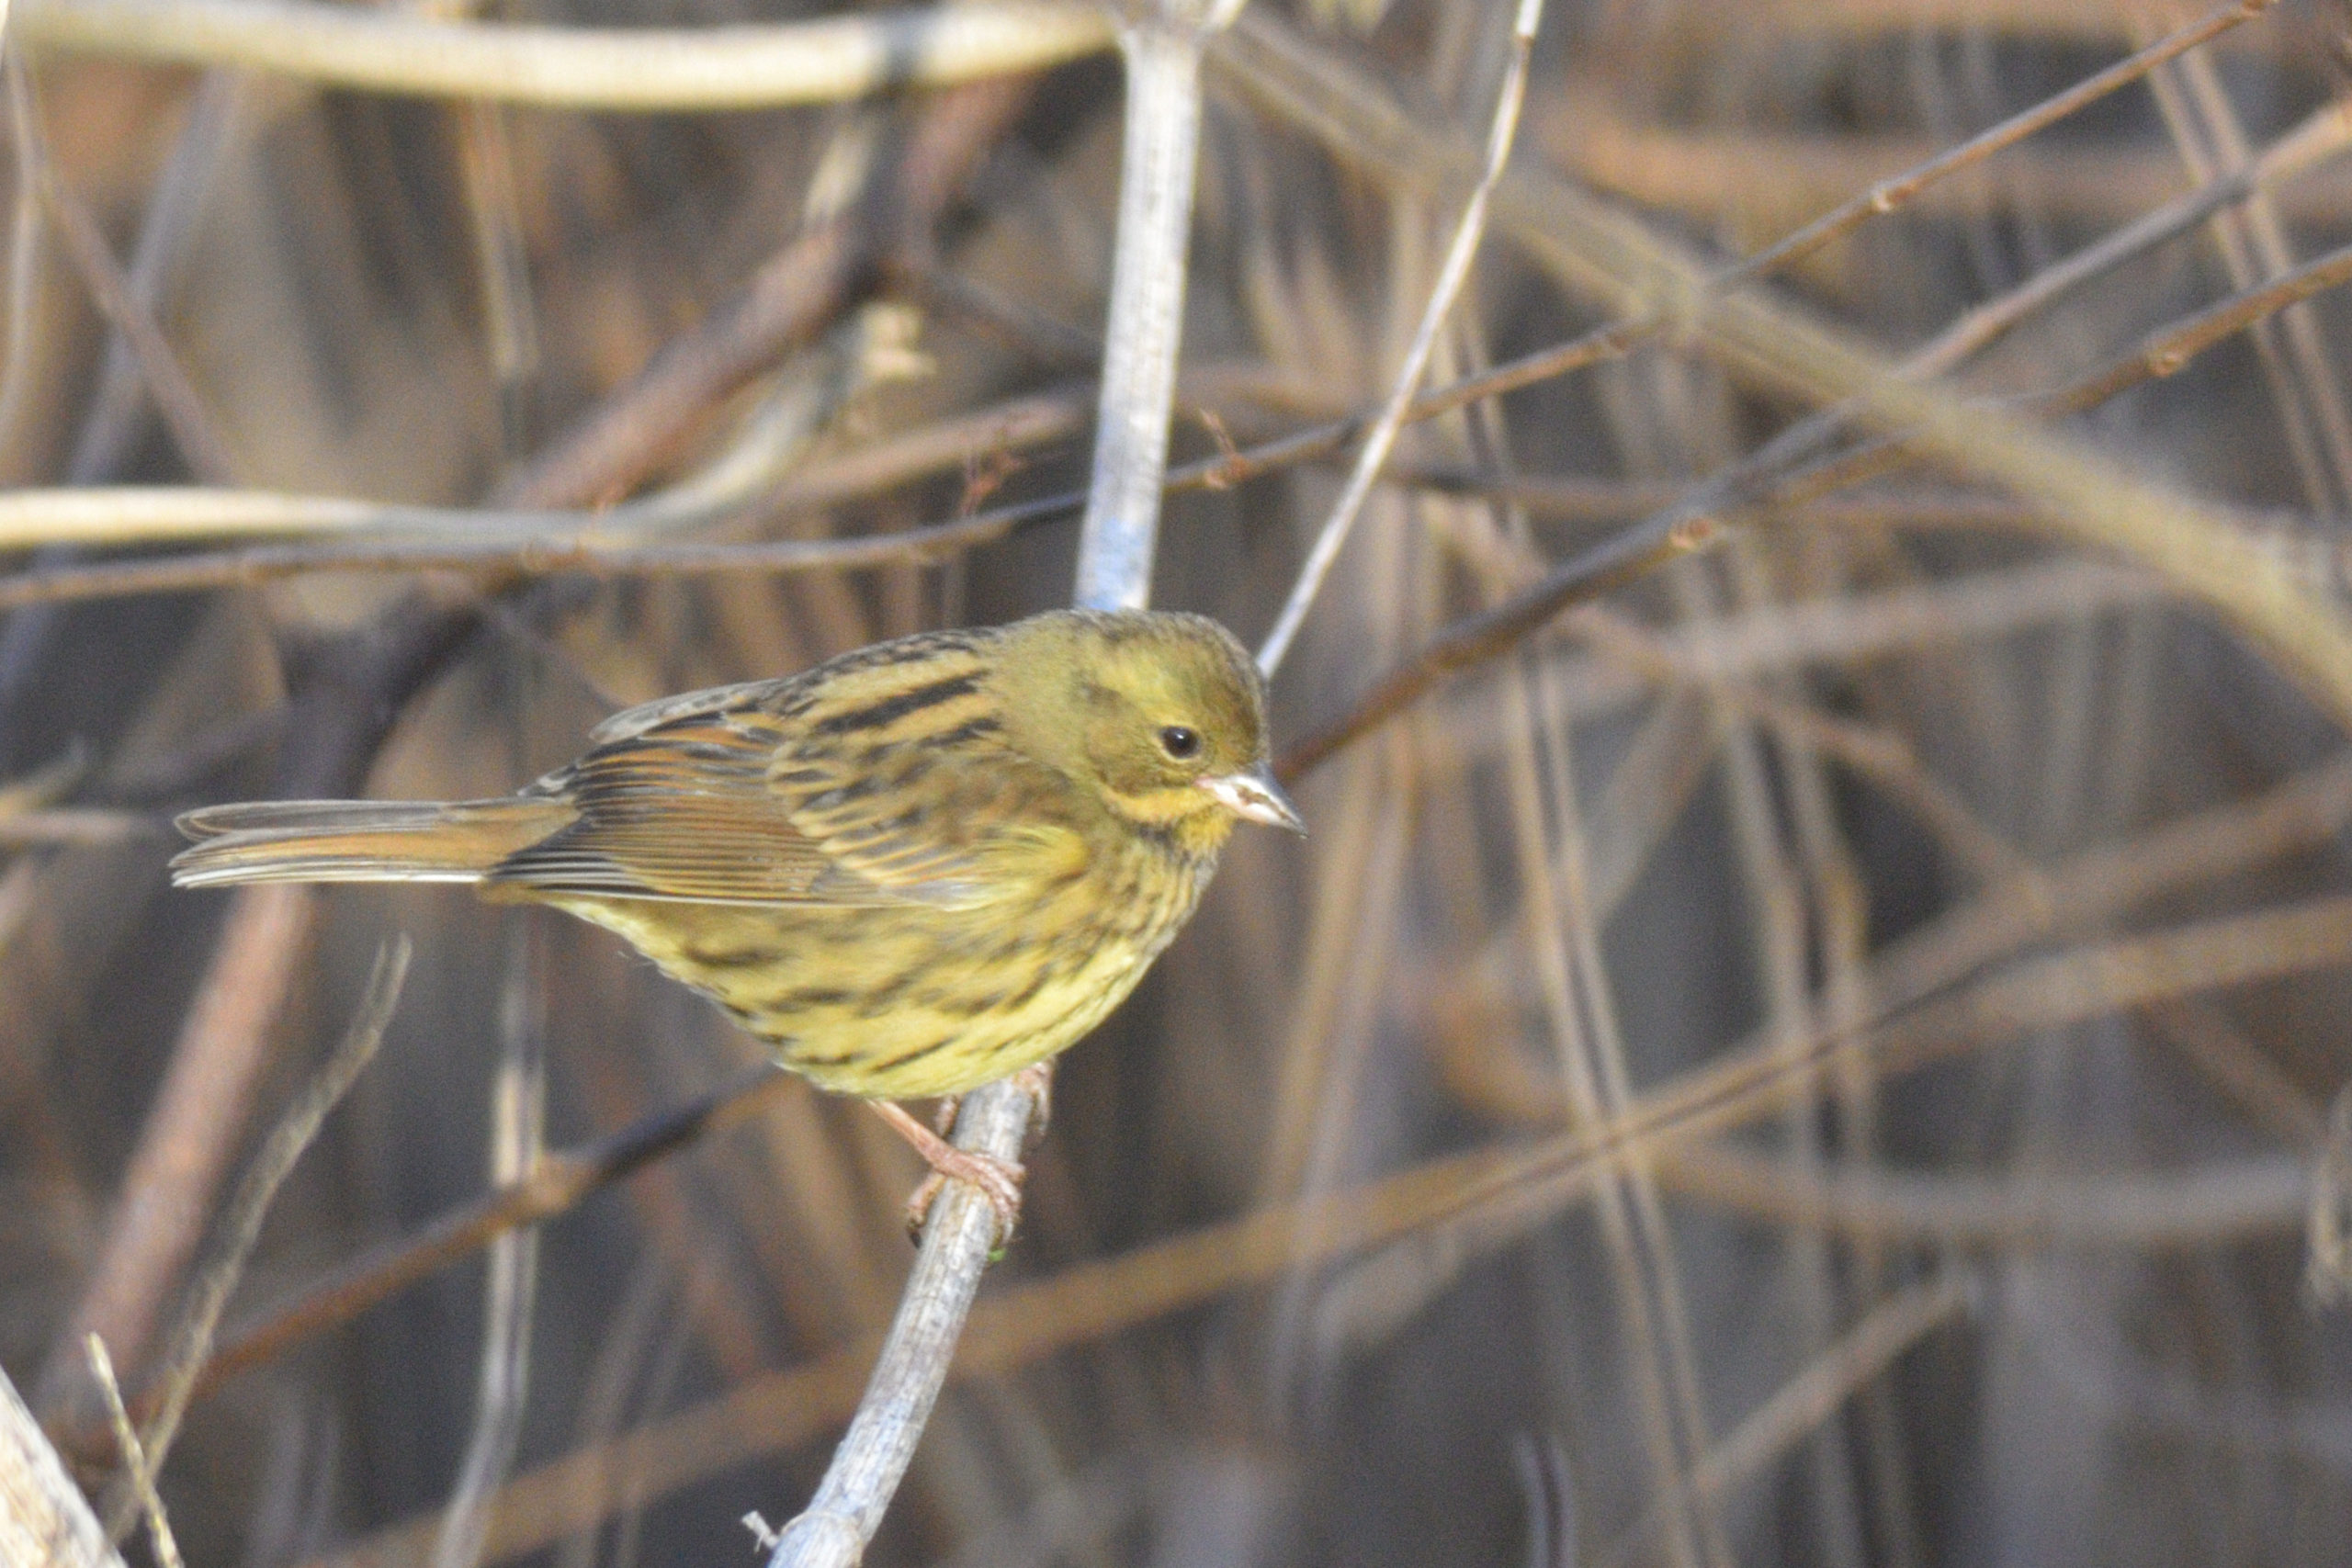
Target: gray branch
column 1115, row 542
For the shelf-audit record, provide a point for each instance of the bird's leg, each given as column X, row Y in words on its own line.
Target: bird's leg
column 1037, row 1081
column 999, row 1180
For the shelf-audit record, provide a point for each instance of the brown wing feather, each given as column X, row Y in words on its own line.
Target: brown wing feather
column 681, row 811
column 877, row 779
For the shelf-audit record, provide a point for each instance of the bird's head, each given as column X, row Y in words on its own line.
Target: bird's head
column 1163, row 713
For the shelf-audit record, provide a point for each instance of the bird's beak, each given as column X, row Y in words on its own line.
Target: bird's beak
column 1254, row 794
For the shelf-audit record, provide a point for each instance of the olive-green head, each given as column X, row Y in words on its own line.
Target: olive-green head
column 1161, row 711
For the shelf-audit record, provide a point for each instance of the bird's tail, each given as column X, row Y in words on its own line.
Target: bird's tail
column 359, row 840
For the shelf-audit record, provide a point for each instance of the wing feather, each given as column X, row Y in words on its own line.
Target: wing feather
column 681, row 811
column 879, row 779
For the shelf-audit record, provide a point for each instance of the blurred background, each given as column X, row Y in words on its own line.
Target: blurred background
column 2046, row 860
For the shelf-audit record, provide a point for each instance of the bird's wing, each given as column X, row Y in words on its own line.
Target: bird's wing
column 630, row 723
column 680, row 809
column 955, row 826
column 899, row 771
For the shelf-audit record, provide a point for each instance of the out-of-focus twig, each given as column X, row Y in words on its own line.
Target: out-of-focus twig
column 2140, row 1209
column 1698, row 520
column 631, row 70
column 137, row 1471
column 554, row 541
column 518, row 1107
column 557, row 1183
column 219, row 114
column 190, row 1344
column 802, row 287
column 24, row 283
column 1498, row 1193
column 2329, row 1235
column 1469, row 230
column 356, row 691
column 1597, row 250
column 175, row 396
column 194, row 1127
column 1888, row 194
column 1800, row 1404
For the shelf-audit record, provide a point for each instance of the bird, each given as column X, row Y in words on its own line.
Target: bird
column 912, row 869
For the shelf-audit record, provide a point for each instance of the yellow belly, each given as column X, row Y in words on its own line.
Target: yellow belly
column 908, row 1001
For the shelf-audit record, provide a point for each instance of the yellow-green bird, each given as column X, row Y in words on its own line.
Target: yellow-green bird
column 912, row 870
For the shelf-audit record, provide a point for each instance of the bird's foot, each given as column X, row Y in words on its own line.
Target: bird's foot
column 998, row 1180
column 1037, row 1081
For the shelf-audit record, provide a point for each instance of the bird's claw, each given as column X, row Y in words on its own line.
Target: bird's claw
column 1037, row 1081
column 998, row 1180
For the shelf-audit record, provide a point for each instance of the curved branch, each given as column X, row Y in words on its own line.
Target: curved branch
column 635, row 70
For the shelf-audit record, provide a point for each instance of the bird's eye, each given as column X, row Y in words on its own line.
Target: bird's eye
column 1180, row 742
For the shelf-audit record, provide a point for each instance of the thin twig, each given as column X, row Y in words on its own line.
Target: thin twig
column 553, row 548
column 578, row 541
column 1800, row 1406
column 1888, row 194
column 558, row 1182
column 2329, row 1235
column 799, row 288
column 193, row 1128
column 138, row 1471
column 174, row 1383
column 1597, row 250
column 518, row 1109
column 24, row 277
column 2140, row 1210
column 1451, row 275
column 1498, row 1193
column 1698, row 520
column 631, row 70
column 220, row 115
column 356, row 689
column 175, row 396
column 2326, row 135
column 2168, row 350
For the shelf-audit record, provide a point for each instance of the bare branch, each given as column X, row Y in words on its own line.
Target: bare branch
column 137, row 1471
column 191, row 1340
column 631, row 70
column 44, row 1519
column 1116, row 547
column 556, row 1184
column 1451, row 275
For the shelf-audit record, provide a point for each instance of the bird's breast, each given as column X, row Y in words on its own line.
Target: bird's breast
column 907, row 1001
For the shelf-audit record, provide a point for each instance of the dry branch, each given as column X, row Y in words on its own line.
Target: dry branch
column 631, row 70
column 43, row 1516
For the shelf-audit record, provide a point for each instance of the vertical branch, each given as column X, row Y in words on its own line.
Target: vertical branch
column 1115, row 543
column 518, row 1102
column 1147, row 320
column 1374, row 455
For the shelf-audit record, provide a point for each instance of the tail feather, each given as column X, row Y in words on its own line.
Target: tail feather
column 359, row 840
